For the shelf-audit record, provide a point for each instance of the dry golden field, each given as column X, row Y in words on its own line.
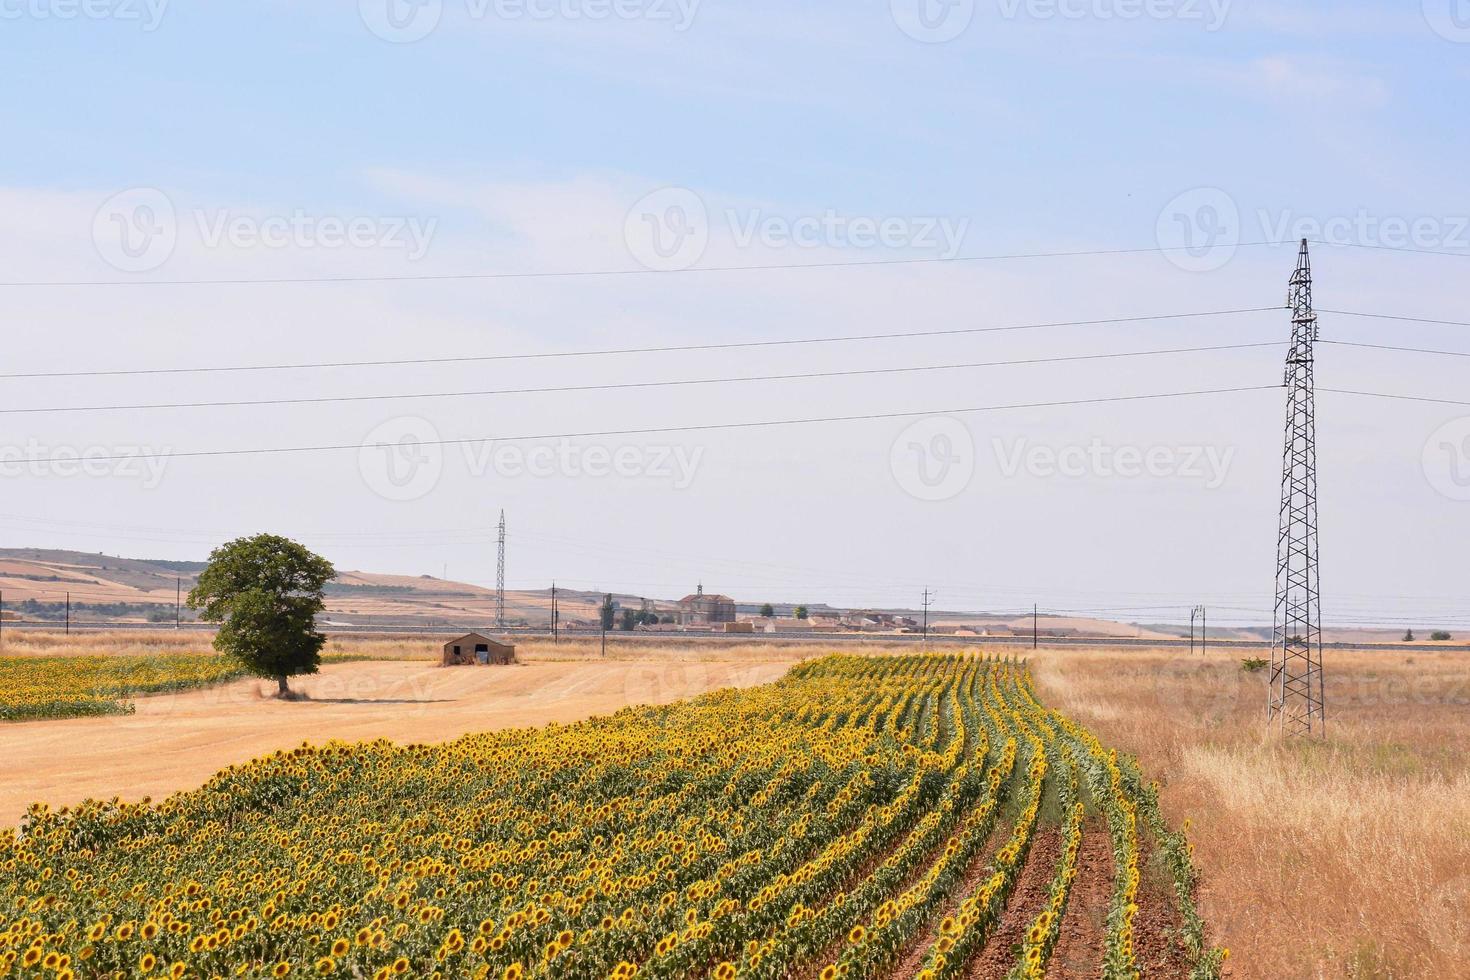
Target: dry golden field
column 1348, row 857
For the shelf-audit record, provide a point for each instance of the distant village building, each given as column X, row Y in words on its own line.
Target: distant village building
column 865, row 619
column 789, row 626
column 706, row 610
column 474, row 649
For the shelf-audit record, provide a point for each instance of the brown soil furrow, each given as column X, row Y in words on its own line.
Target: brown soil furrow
column 1026, row 901
column 1157, row 927
column 813, row 966
column 1083, row 933
column 912, row 957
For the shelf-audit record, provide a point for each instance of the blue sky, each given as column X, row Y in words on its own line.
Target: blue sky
column 1048, row 126
column 522, row 143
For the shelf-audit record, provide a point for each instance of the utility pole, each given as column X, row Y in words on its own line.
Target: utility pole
column 178, row 602
column 68, row 614
column 1035, row 627
column 927, row 597
column 1296, row 698
column 1197, row 615
column 500, row 578
column 604, row 614
column 553, row 613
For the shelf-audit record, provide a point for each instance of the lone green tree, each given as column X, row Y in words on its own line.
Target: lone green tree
column 265, row 591
column 768, row 611
column 801, row 612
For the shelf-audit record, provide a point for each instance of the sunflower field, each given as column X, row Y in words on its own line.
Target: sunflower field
column 862, row 817
column 71, row 687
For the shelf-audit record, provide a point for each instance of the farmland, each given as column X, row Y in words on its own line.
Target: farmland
column 70, row 687
column 894, row 812
column 1374, row 816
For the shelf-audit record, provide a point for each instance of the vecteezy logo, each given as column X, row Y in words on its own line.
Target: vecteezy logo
column 136, row 230
column 668, row 230
column 933, row 21
column 401, row 21
column 402, row 459
column 1447, row 459
column 933, row 459
column 1450, row 19
column 1200, row 229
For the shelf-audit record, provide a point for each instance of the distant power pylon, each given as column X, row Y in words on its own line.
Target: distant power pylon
column 500, row 578
column 1296, row 700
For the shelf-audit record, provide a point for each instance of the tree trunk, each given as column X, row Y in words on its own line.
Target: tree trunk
column 281, row 689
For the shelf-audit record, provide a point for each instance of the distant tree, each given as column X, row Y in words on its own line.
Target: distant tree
column 768, row 611
column 1409, row 637
column 1440, row 636
column 608, row 613
column 630, row 620
column 266, row 591
column 801, row 612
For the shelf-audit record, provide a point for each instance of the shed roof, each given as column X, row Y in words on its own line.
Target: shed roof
column 477, row 638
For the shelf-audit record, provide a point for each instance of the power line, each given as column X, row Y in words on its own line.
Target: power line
column 1404, row 249
column 688, row 382
column 1401, row 319
column 679, row 348
column 619, row 273
column 1402, row 350
column 1401, row 398
column 733, row 345
column 630, row 385
column 658, row 430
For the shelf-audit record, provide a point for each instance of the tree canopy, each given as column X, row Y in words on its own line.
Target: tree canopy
column 266, row 592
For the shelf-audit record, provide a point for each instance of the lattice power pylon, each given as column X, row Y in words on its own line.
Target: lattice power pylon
column 1296, row 701
column 500, row 577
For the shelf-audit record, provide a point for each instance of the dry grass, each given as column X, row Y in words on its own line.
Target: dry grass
column 152, row 643
column 110, row 643
column 1348, row 857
